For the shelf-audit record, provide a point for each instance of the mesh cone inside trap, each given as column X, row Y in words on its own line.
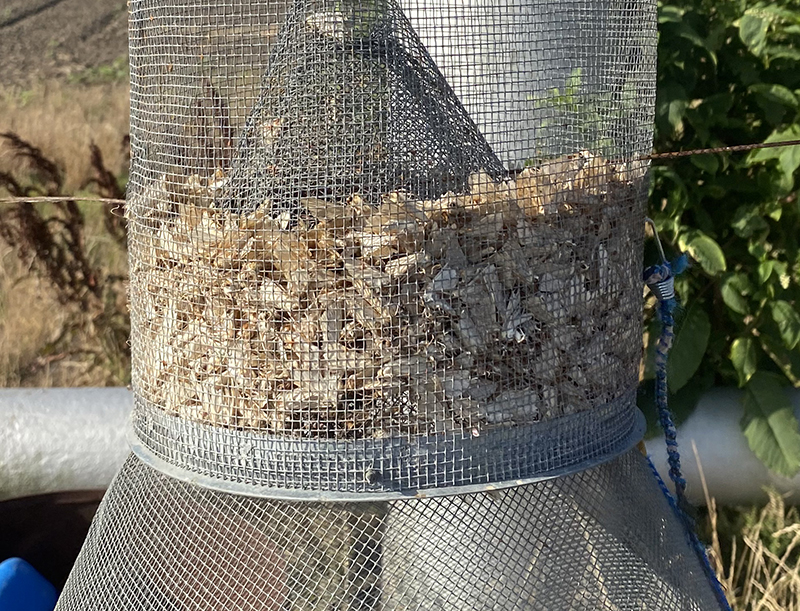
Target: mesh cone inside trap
column 602, row 539
column 353, row 103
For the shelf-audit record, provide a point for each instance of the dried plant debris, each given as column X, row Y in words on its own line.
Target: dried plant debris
column 510, row 304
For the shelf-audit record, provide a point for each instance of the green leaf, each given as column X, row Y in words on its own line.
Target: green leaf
column 711, row 110
column 753, row 32
column 782, row 52
column 756, row 249
column 671, row 106
column 687, row 32
column 765, row 270
column 733, row 290
column 744, row 357
column 789, row 159
column 770, row 426
column 747, row 221
column 775, row 210
column 688, row 347
column 707, row 163
column 704, row 250
column 777, row 94
column 788, row 321
column 788, row 361
column 783, row 186
column 775, row 12
column 774, row 100
column 781, row 269
column 670, row 14
column 762, row 155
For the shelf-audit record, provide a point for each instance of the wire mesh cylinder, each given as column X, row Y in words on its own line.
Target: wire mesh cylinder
column 387, row 253
column 388, row 248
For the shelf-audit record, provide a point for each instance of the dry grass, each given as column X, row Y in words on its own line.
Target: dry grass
column 63, row 120
column 761, row 569
column 46, row 343
column 756, row 553
column 30, row 320
column 44, row 339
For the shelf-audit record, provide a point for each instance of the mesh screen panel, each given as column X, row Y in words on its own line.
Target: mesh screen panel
column 601, row 539
column 409, row 232
column 386, row 312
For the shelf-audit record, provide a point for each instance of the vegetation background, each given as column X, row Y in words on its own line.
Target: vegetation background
column 63, row 87
column 729, row 73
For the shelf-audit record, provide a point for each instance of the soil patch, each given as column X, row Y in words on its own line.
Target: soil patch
column 45, row 39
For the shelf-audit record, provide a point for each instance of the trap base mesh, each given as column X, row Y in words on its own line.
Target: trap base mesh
column 603, row 539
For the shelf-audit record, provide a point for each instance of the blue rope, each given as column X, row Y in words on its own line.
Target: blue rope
column 695, row 543
column 661, row 280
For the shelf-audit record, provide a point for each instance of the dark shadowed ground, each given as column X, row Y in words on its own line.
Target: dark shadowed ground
column 47, row 530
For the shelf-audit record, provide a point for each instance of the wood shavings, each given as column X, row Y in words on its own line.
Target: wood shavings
column 512, row 303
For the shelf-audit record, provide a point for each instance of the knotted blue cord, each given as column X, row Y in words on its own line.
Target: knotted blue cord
column 661, row 280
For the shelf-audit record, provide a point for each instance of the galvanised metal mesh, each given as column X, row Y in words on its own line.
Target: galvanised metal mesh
column 386, row 300
column 380, row 246
column 603, row 539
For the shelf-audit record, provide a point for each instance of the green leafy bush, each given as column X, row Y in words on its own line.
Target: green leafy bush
column 728, row 74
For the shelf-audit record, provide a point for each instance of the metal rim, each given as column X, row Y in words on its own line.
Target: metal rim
column 629, row 429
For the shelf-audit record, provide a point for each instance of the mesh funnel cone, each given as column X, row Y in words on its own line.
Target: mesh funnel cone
column 602, row 539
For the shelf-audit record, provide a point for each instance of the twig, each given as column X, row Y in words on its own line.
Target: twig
column 60, row 198
column 716, row 548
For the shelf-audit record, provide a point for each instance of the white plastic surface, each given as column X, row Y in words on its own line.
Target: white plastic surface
column 733, row 474
column 501, row 76
column 61, row 439
column 72, row 439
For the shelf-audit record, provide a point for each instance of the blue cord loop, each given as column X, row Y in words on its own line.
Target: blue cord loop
column 660, row 278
